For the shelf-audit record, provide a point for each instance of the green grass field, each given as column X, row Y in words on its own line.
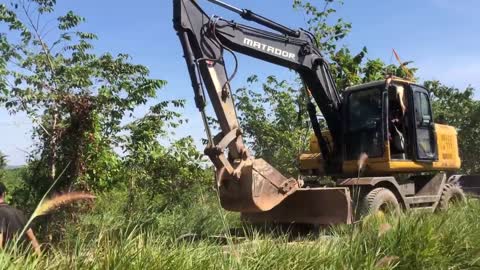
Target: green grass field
column 187, row 238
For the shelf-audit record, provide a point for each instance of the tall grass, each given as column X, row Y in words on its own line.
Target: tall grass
column 445, row 240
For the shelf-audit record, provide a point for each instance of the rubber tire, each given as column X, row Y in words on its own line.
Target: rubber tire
column 376, row 199
column 451, row 194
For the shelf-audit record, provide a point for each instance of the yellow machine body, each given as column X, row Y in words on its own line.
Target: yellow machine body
column 312, row 163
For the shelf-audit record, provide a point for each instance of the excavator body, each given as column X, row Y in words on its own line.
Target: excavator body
column 388, row 121
column 431, row 149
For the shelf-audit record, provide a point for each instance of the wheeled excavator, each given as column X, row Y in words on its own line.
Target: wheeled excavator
column 411, row 160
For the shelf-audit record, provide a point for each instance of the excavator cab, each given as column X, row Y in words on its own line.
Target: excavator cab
column 392, row 122
column 390, row 119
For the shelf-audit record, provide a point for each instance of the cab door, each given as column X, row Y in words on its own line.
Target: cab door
column 425, row 141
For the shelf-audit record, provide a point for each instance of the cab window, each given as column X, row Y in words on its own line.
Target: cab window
column 364, row 123
column 424, row 128
column 423, row 116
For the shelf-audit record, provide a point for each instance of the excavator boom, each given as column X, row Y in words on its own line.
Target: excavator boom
column 246, row 184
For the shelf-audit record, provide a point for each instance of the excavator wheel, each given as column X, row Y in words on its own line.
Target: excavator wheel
column 451, row 194
column 378, row 199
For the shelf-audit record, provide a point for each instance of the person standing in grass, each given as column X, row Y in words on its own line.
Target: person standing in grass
column 12, row 222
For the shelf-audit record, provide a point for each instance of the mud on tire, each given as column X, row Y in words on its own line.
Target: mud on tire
column 451, row 194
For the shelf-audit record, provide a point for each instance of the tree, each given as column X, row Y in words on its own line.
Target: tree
column 75, row 98
column 326, row 35
column 274, row 121
column 349, row 70
column 81, row 104
column 155, row 172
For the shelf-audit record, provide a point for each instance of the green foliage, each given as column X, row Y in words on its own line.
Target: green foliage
column 155, row 172
column 76, row 99
column 69, row 21
column 82, row 105
column 326, row 34
column 349, row 70
column 12, row 178
column 274, row 121
column 459, row 109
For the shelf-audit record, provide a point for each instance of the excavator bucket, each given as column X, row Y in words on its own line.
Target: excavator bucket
column 318, row 206
column 260, row 188
column 263, row 195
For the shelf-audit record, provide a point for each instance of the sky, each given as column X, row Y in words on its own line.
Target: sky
column 440, row 36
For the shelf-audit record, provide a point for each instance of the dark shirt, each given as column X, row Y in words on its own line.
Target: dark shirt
column 12, row 222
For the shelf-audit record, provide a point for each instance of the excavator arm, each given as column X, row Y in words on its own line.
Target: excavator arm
column 247, row 184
